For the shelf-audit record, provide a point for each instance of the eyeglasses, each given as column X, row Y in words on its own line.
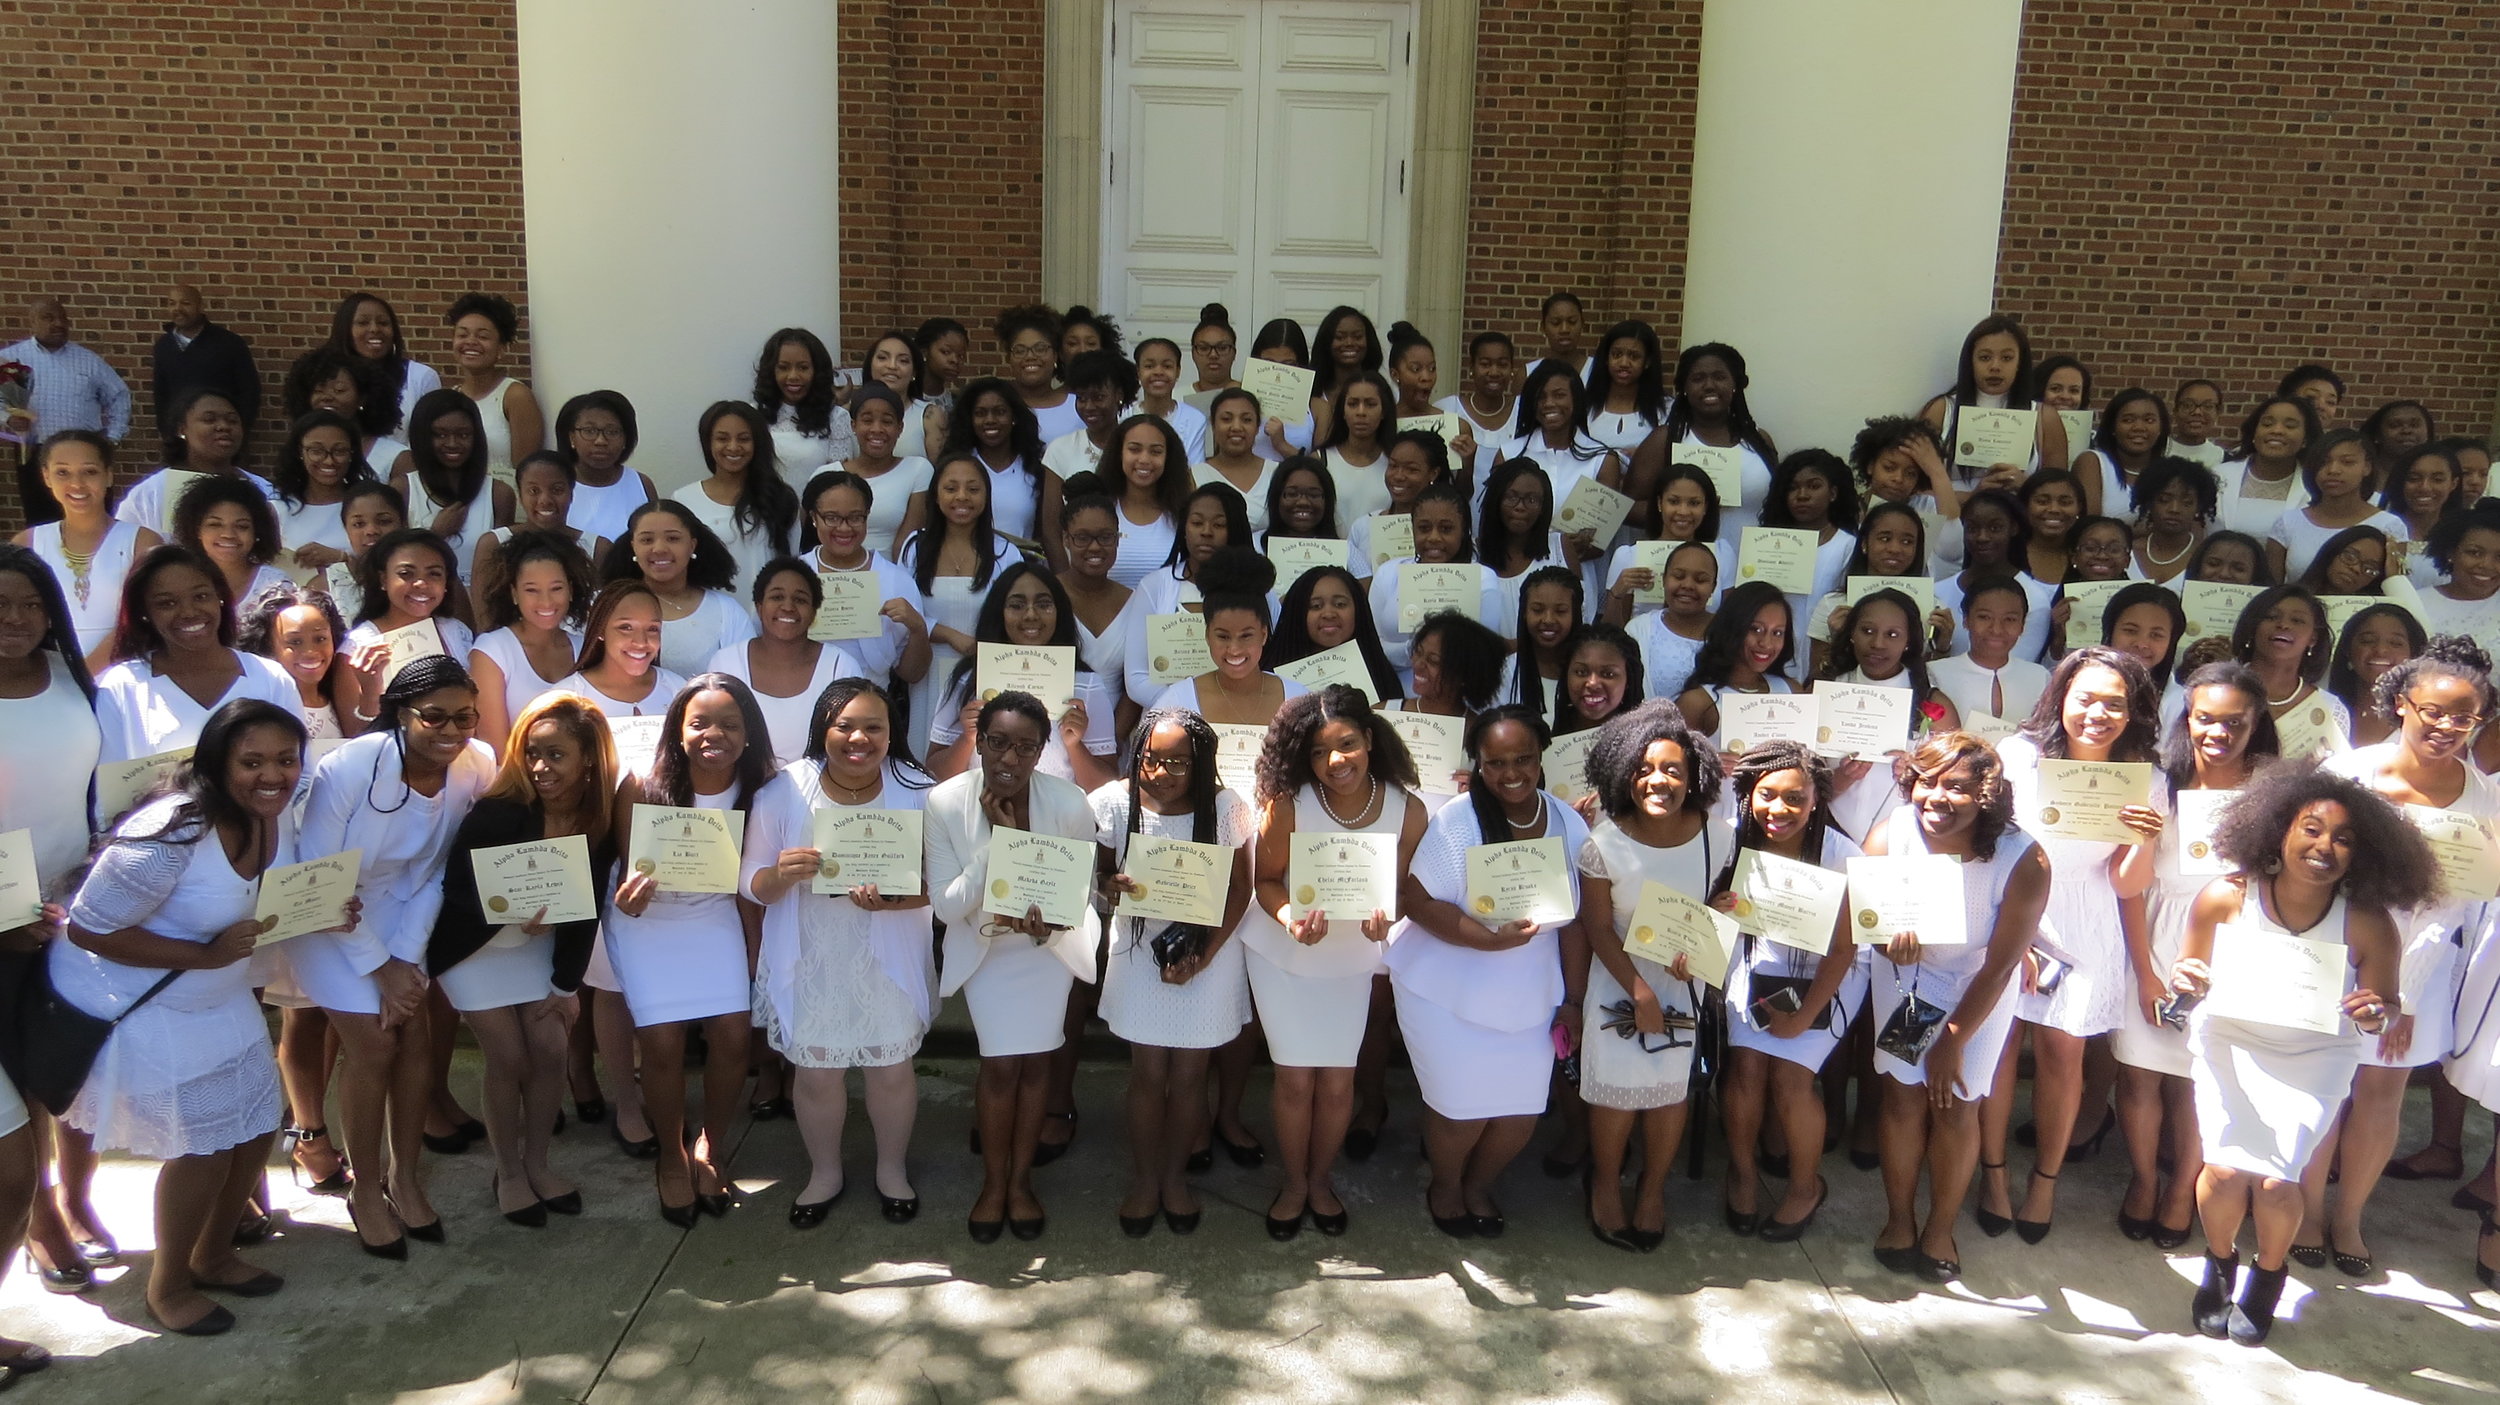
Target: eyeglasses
column 1030, row 353
column 465, row 719
column 598, row 432
column 1211, row 348
column 2439, row 719
column 324, row 454
column 842, row 519
column 1003, row 747
column 1174, row 766
column 1092, row 539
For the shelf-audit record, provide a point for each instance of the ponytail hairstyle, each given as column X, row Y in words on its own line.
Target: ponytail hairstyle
column 671, row 781
column 1756, row 764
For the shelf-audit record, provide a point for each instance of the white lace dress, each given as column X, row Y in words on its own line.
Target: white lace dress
column 1212, row 1006
column 1635, row 1072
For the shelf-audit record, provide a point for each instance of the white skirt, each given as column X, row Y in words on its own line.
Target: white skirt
column 321, row 972
column 2156, row 1048
column 1019, row 999
column 1467, row 1071
column 1205, row 1013
column 600, row 974
column 178, row 1080
column 1310, row 1021
column 676, row 968
column 513, row 968
column 1979, row 1054
column 845, row 1011
column 1615, row 1071
column 1812, row 1049
column 2265, row 1097
column 2475, row 1070
column 2080, row 925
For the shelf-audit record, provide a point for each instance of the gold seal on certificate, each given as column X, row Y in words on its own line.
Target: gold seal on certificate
column 515, row 880
column 1524, row 880
column 2193, row 817
column 1392, row 536
column 2273, row 978
column 1920, row 589
column 2463, row 846
column 1667, row 924
column 2308, row 728
column 1724, row 467
column 1918, row 895
column 1591, row 506
column 1784, row 556
column 1343, row 664
column 850, row 608
column 407, row 644
column 1567, row 763
column 637, row 742
column 1294, row 555
column 2087, row 605
column 1039, row 870
column 1438, row 744
column 1747, row 720
column 1176, row 647
column 686, row 849
column 1237, row 748
column 2081, row 800
column 1348, row 876
column 119, row 785
column 306, row 897
column 1047, row 671
column 2213, row 607
column 1176, row 880
column 1861, row 719
column 1782, row 900
column 859, row 847
column 1284, row 391
column 1428, row 588
column 21, row 893
column 1984, row 438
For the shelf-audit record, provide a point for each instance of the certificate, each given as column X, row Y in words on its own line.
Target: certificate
column 2193, row 813
column 1343, row 664
column 1591, row 506
column 857, row 847
column 687, row 849
column 1176, row 647
column 1237, row 748
column 1920, row 589
column 340, row 582
column 1567, row 763
column 1176, row 880
column 1039, row 871
column 1284, row 391
column 2341, row 608
column 407, row 644
column 120, row 785
column 2087, row 609
column 2308, row 728
column 1915, row 894
column 1861, row 719
column 1295, row 555
column 306, row 897
column 2079, row 426
column 1984, row 438
column 2463, row 846
column 1651, row 556
column 1667, row 924
column 1349, row 876
column 2273, row 978
column 1047, row 671
column 1990, row 728
column 1429, row 588
column 515, row 880
column 1784, row 556
column 2081, row 800
column 1447, row 425
column 850, row 608
column 1725, row 468
column 1747, row 720
column 1392, row 536
column 637, row 742
column 2213, row 607
column 1782, row 900
column 175, row 483
column 21, row 892
column 1438, row 744
column 1524, row 880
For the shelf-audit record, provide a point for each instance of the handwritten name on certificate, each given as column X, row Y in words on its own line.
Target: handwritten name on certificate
column 1176, row 647
column 1284, row 391
column 1983, row 438
column 2213, row 607
column 1724, row 467
column 1667, row 924
column 1591, row 506
column 1917, row 895
column 120, row 785
column 21, row 892
column 1176, row 880
column 850, row 608
column 2081, row 799
column 1347, row 876
column 1748, row 720
column 1047, row 671
column 1782, row 900
column 1920, row 589
column 1861, row 719
column 1237, row 748
column 1294, row 555
column 1524, row 880
column 409, row 643
column 2463, row 846
column 1342, row 665
column 2193, row 816
column 514, row 881
column 859, row 847
column 2277, row 979
column 1428, row 588
column 687, row 849
column 1030, row 870
column 1784, row 556
column 637, row 742
column 1567, row 763
column 1438, row 744
column 306, row 897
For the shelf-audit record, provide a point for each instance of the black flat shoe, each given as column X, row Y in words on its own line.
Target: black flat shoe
column 216, row 1321
column 569, row 1203
column 1903, row 1259
column 1248, row 1155
column 1361, row 1142
column 1455, row 1226
column 473, row 1129
column 809, row 1214
column 1615, row 1238
column 1183, row 1224
column 396, row 1249
column 1028, row 1229
column 2402, row 1168
column 1046, row 1152
column 1866, row 1160
column 1936, row 1270
column 1200, row 1161
column 1741, row 1223
column 2350, row 1265
column 642, row 1150
column 1331, row 1225
column 451, row 1145
column 2165, row 1238
column 1790, row 1231
column 254, row 1228
column 1282, row 1230
column 2466, row 1199
column 1489, row 1226
column 902, row 1211
column 985, row 1231
column 1137, row 1226
column 1646, row 1240
column 683, row 1216
column 2309, row 1255
column 259, row 1285
column 590, row 1110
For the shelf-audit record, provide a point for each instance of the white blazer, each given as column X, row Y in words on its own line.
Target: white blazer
column 958, row 837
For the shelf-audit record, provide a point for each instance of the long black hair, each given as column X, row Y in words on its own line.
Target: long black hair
column 447, row 485
column 2343, row 678
column 1527, row 676
column 1285, row 757
column 1471, row 657
column 1493, row 537
column 1649, row 388
column 1493, row 824
column 672, row 773
column 1325, row 367
column 929, row 543
column 292, row 479
column 991, row 627
column 837, row 696
column 202, row 784
column 1840, row 657
column 2045, row 728
column 813, row 411
column 1966, row 381
column 1291, row 641
column 1024, row 436
column 1548, row 371
column 2145, row 593
column 1739, row 414
column 1866, row 528
column 1205, row 786
column 766, row 503
column 60, row 635
column 2314, row 579
column 393, row 367
column 1724, row 640
column 1318, row 467
column 2178, row 751
column 2253, row 618
column 1826, row 465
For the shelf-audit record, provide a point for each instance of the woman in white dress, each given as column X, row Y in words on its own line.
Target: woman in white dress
column 2336, row 470
column 1014, row 972
column 1158, row 372
column 843, row 978
column 681, row 957
column 741, row 496
column 1941, row 1015
column 596, row 433
column 893, row 364
column 1515, row 526
column 2296, row 841
column 1441, row 538
column 410, row 577
column 1232, row 457
column 202, row 434
column 1213, row 523
column 1327, row 608
column 2132, row 435
column 1636, row 1021
column 1747, row 649
column 896, row 479
column 1099, row 383
column 1150, row 467
column 366, row 327
column 1706, row 409
column 396, row 794
column 690, row 571
column 1986, row 680
column 1477, row 1004
column 325, row 380
column 993, row 424
column 544, row 488
column 160, row 938
column 796, row 385
column 1627, row 387
column 514, row 974
column 785, row 669
column 1356, row 444
column 1238, row 691
column 1416, row 460
column 319, row 462
column 532, row 600
column 1175, row 991
column 230, row 523
column 90, row 552
column 1038, row 352
column 2284, row 637
column 2100, row 706
column 952, row 562
column 177, row 658
column 1487, row 398
column 2215, row 748
column 302, row 631
column 483, row 326
column 895, row 653
column 1330, row 765
column 1026, row 607
column 1550, row 436
column 2466, row 549
column 444, row 477
column 1787, row 1010
column 1994, row 371
column 1685, row 507
column 1880, row 644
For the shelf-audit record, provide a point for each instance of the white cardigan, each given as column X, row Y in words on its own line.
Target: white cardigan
column 958, row 838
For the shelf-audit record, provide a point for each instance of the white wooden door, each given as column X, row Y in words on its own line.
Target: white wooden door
column 1257, row 154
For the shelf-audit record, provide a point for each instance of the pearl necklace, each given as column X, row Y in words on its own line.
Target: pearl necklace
column 1366, row 809
column 2172, row 557
column 2288, row 699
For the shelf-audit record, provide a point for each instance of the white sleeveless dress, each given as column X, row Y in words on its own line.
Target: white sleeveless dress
column 1616, row 1071
column 685, row 958
column 1314, row 1001
column 521, row 683
column 2266, row 1094
column 2158, row 1047
column 479, row 521
column 94, row 595
column 1212, row 1006
column 1756, row 957
column 2435, row 935
column 2081, row 923
column 1943, row 973
column 601, row 973
column 498, row 441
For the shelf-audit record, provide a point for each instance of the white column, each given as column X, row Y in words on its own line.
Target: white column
column 679, row 182
column 1848, row 183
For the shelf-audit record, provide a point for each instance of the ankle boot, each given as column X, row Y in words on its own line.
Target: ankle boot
column 2253, row 1316
column 2212, row 1309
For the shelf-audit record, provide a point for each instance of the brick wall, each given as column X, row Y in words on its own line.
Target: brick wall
column 2224, row 190
column 278, row 155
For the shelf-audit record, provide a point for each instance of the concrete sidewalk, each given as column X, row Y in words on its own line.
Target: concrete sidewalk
column 618, row 1308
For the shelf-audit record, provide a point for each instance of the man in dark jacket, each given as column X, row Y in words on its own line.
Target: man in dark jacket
column 197, row 352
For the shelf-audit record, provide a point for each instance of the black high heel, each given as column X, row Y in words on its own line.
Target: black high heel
column 2090, row 1146
column 2033, row 1231
column 77, row 1278
column 1991, row 1224
column 643, row 1150
column 683, row 1216
column 590, row 1110
column 2165, row 1238
column 336, row 1183
column 530, row 1216
column 395, row 1249
column 569, row 1203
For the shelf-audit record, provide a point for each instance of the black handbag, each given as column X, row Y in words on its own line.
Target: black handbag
column 1778, row 995
column 57, row 1043
column 1176, row 943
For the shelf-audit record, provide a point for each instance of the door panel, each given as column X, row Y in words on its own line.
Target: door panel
column 1183, row 179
